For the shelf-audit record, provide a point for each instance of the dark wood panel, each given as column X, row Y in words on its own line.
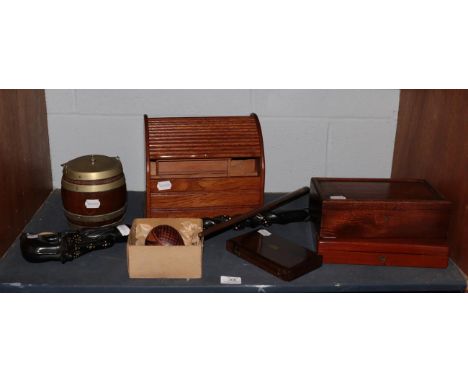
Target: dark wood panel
column 24, row 160
column 380, row 208
column 376, row 189
column 397, row 252
column 432, row 143
column 388, row 259
column 435, row 247
column 342, row 219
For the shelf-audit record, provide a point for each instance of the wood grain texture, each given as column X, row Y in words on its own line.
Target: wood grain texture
column 210, row 199
column 382, row 219
column 203, row 137
column 381, row 208
column 192, row 167
column 430, row 253
column 199, row 211
column 208, row 160
column 429, row 247
column 110, row 201
column 399, row 222
column 432, row 143
column 388, row 259
column 26, row 178
column 209, row 184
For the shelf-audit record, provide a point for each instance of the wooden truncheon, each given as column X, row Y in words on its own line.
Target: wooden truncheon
column 203, row 166
column 399, row 222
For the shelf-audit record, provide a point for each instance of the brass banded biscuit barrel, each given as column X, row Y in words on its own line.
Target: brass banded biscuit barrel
column 94, row 193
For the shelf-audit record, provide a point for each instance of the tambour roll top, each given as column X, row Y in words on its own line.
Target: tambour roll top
column 203, row 166
column 94, row 191
column 204, row 137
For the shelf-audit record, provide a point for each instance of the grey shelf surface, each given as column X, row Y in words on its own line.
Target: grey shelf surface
column 106, row 270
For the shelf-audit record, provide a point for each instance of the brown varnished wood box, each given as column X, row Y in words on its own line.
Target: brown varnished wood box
column 399, row 222
column 203, row 166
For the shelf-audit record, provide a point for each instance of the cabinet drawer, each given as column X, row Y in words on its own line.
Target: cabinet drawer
column 204, row 199
column 192, row 168
column 209, row 184
column 389, row 259
column 199, row 212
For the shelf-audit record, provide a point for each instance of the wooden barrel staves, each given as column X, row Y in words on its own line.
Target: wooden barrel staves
column 94, row 193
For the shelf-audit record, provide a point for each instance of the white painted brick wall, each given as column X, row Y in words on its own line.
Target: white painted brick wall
column 360, row 148
column 326, row 103
column 346, row 133
column 171, row 103
column 294, row 149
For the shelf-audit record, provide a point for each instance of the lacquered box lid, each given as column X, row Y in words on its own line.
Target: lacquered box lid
column 356, row 189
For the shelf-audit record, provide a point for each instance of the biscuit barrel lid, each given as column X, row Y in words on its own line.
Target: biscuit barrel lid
column 92, row 167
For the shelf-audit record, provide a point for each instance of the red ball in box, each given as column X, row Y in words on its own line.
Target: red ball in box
column 164, row 235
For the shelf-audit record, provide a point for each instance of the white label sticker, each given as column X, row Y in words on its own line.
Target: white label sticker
column 264, row 232
column 337, row 197
column 230, row 280
column 164, row 185
column 92, row 203
column 124, row 230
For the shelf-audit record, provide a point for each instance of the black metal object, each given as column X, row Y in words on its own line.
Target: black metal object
column 265, row 219
column 68, row 245
column 236, row 220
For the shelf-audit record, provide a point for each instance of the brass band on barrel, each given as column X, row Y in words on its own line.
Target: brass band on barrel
column 95, row 218
column 92, row 167
column 93, row 187
column 93, row 175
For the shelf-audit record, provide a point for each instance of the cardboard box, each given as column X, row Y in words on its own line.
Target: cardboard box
column 164, row 261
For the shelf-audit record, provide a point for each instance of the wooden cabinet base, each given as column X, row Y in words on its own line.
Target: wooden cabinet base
column 400, row 253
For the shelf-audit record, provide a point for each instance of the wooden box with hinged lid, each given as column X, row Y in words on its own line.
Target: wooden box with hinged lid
column 203, row 166
column 398, row 222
